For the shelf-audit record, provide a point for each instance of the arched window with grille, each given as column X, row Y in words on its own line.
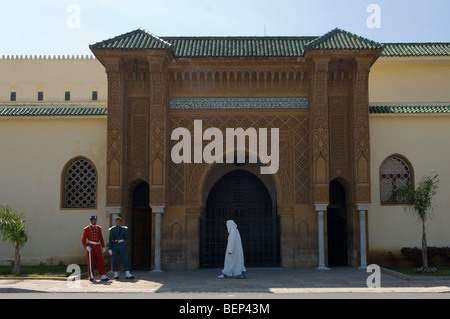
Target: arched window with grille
column 79, row 184
column 395, row 172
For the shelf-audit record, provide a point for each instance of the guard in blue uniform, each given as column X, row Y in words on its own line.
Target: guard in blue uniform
column 117, row 238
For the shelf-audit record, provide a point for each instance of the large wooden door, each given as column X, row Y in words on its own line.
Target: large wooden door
column 242, row 197
column 142, row 228
column 337, row 226
column 142, row 238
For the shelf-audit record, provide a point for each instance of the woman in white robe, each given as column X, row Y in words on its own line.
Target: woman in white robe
column 234, row 255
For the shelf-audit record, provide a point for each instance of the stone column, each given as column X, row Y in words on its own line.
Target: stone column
column 362, row 208
column 321, row 208
column 158, row 211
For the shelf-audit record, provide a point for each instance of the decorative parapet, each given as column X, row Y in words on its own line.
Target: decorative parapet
column 47, row 57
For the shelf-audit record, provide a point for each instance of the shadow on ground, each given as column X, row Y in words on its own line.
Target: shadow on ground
column 260, row 280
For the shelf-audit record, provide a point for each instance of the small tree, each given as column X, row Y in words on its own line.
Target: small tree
column 419, row 203
column 12, row 231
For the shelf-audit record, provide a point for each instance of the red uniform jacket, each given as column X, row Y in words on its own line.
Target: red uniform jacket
column 92, row 233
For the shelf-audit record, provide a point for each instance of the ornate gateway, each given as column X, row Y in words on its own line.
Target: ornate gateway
column 313, row 89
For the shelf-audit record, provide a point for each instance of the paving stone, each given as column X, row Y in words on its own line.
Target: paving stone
column 260, row 280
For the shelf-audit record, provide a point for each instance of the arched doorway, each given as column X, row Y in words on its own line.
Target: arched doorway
column 241, row 196
column 337, row 226
column 142, row 227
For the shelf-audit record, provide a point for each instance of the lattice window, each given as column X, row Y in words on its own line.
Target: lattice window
column 395, row 172
column 80, row 185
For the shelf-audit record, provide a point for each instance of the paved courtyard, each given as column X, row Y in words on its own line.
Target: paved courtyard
column 261, row 282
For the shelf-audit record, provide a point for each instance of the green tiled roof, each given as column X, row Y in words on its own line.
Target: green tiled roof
column 403, row 109
column 416, row 49
column 51, row 111
column 209, row 46
column 137, row 39
column 238, row 46
column 24, row 111
column 338, row 39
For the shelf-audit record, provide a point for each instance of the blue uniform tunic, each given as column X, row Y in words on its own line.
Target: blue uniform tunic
column 117, row 238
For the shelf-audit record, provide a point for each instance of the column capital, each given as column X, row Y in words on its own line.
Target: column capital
column 320, row 207
column 158, row 209
column 362, row 207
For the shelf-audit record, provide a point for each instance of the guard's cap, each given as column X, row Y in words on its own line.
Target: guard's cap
column 92, row 217
column 118, row 218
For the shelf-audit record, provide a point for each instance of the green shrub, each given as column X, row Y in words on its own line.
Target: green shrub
column 415, row 254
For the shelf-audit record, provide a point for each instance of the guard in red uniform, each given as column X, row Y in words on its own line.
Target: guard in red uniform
column 92, row 241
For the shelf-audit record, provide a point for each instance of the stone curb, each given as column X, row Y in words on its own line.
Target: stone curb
column 33, row 278
column 82, row 276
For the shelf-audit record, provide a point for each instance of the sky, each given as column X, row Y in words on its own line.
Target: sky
column 67, row 27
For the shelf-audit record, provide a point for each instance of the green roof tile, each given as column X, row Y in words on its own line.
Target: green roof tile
column 238, row 46
column 51, row 111
column 137, row 39
column 336, row 39
column 416, row 49
column 408, row 109
column 101, row 111
column 25, row 111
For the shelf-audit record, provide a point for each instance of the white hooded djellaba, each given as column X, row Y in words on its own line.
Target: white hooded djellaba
column 234, row 255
